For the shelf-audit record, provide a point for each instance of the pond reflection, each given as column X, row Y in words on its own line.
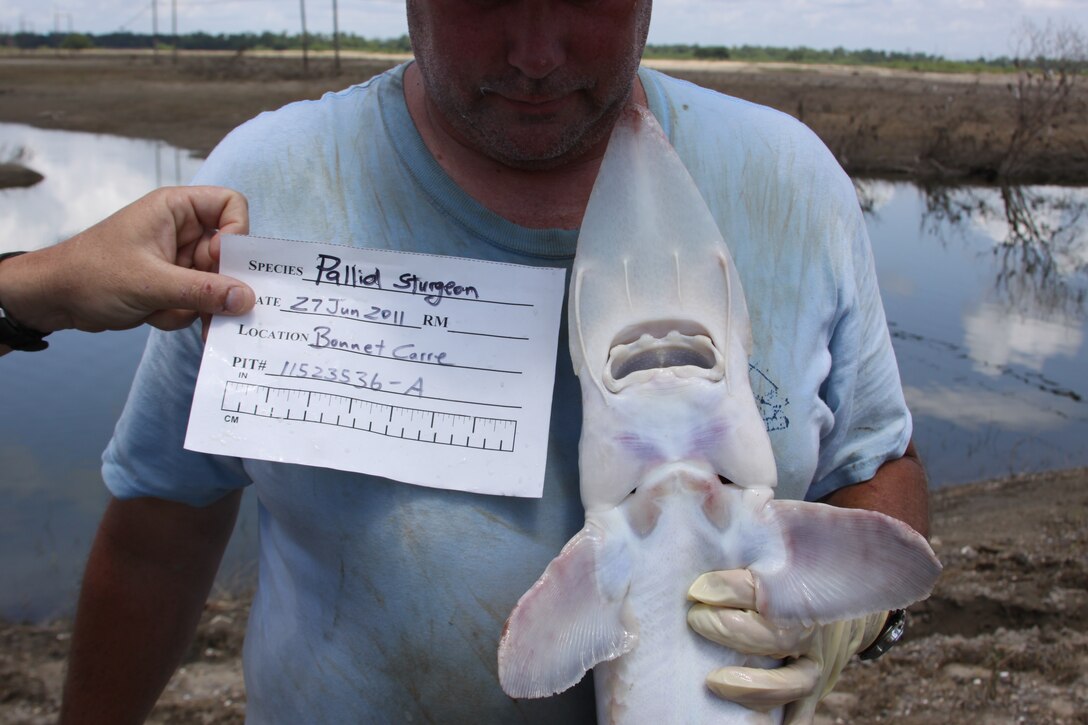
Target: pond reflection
column 58, row 408
column 984, row 290
column 87, row 176
column 1040, row 240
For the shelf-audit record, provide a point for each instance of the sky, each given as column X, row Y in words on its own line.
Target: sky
column 951, row 28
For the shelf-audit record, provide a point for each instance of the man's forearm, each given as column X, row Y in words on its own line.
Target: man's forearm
column 899, row 489
column 149, row 572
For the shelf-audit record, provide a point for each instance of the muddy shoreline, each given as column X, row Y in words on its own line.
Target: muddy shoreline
column 928, row 127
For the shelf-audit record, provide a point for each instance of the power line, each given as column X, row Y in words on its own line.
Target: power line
column 135, row 17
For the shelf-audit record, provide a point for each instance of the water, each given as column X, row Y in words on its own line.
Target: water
column 984, row 294
column 58, row 408
column 87, row 177
column 984, row 291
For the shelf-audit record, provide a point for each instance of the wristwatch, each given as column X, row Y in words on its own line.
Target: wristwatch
column 894, row 627
column 15, row 335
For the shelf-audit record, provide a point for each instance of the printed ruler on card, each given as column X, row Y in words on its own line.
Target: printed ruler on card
column 365, row 416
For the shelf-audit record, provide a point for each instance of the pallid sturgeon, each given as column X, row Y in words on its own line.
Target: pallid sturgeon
column 660, row 340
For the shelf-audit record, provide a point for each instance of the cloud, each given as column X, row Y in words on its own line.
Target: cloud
column 874, row 194
column 954, row 28
column 973, row 408
column 996, row 338
column 87, row 177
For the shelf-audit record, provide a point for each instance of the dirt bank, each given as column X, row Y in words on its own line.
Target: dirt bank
column 1003, row 639
column 878, row 122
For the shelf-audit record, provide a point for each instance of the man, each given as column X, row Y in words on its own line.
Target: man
column 383, row 602
column 147, row 263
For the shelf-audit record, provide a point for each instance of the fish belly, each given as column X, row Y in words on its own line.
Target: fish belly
column 663, row 679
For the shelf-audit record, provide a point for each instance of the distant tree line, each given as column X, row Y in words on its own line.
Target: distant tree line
column 238, row 42
column 241, row 42
column 837, row 56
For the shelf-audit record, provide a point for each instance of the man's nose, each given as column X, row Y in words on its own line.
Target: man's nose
column 536, row 38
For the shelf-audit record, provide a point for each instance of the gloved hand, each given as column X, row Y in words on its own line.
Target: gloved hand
column 725, row 612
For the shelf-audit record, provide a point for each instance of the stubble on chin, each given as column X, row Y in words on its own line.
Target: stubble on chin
column 531, row 143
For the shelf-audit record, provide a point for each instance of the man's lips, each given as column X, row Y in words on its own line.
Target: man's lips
column 534, row 104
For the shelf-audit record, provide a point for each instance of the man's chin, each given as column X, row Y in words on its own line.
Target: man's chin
column 539, row 161
column 536, row 147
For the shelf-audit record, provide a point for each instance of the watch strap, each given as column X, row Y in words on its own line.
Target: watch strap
column 892, row 631
column 15, row 335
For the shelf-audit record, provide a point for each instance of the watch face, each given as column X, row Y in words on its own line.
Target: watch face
column 895, row 633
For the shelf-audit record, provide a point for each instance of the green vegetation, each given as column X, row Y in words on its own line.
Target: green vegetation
column 238, row 42
column 76, row 41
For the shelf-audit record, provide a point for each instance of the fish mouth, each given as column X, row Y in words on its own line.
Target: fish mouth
column 679, row 354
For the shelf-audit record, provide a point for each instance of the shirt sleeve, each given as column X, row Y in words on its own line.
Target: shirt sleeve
column 146, row 456
column 863, row 391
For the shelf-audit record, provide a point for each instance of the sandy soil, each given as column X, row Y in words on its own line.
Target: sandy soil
column 1002, row 640
column 878, row 122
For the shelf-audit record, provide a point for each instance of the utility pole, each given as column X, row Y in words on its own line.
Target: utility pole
column 174, row 27
column 305, row 39
column 335, row 40
column 155, row 29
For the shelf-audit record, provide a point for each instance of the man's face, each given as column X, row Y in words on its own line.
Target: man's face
column 529, row 83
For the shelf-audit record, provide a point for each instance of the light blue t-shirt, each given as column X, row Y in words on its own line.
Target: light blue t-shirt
column 384, row 602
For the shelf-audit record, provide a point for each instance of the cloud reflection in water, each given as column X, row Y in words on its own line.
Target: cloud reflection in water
column 984, row 290
column 59, row 407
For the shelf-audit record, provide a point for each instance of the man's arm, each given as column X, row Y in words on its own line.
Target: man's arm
column 148, row 575
column 150, row 262
column 899, row 489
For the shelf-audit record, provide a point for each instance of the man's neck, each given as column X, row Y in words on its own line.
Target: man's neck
column 541, row 199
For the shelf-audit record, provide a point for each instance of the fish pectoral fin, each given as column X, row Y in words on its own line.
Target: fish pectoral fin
column 571, row 619
column 840, row 564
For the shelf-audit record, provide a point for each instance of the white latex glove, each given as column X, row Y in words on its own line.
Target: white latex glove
column 725, row 612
